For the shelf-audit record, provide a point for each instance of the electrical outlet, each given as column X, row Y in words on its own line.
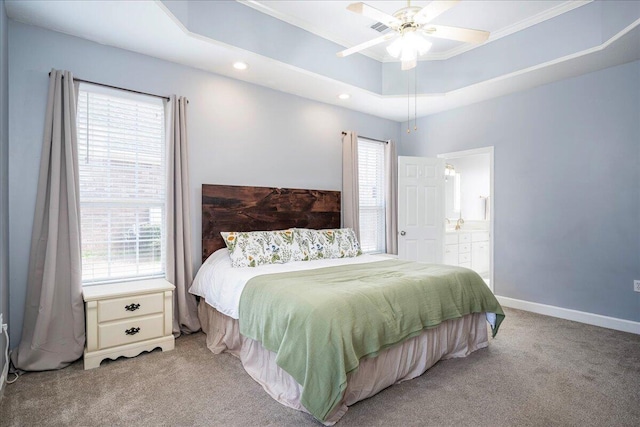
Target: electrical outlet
column 636, row 285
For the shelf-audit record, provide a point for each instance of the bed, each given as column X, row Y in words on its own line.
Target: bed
column 303, row 329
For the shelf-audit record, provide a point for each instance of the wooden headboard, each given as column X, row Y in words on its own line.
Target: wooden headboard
column 235, row 208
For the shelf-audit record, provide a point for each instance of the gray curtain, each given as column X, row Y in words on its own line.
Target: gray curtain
column 350, row 186
column 179, row 261
column 53, row 333
column 391, row 196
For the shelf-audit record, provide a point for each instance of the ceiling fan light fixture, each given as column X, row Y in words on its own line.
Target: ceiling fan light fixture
column 408, row 48
column 395, row 48
column 408, row 54
column 416, row 42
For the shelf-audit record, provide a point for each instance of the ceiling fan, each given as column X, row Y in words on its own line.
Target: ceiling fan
column 411, row 25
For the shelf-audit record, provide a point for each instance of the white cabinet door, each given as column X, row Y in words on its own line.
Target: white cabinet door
column 450, row 254
column 420, row 209
column 480, row 257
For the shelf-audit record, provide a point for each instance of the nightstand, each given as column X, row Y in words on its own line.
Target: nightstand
column 125, row 319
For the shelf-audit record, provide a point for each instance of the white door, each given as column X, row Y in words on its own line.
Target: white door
column 420, row 209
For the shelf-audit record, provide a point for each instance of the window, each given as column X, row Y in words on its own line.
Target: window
column 122, row 168
column 372, row 196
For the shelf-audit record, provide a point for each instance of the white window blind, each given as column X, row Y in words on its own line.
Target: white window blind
column 372, row 200
column 122, row 169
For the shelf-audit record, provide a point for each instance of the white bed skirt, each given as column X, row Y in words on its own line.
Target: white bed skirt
column 407, row 360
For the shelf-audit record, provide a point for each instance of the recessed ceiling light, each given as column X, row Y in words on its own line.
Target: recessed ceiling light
column 240, row 65
column 344, row 96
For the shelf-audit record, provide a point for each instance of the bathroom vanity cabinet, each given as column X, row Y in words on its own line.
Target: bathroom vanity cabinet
column 468, row 249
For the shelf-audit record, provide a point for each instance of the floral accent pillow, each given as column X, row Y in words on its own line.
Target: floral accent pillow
column 311, row 244
column 330, row 243
column 250, row 249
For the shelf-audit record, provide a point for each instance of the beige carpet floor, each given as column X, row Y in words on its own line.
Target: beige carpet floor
column 539, row 371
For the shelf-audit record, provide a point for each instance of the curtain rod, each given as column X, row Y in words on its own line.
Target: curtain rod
column 119, row 88
column 370, row 139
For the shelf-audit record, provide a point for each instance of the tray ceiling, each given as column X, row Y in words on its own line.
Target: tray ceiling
column 332, row 21
column 290, row 45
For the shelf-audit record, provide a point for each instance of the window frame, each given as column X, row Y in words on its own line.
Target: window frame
column 156, row 206
column 380, row 209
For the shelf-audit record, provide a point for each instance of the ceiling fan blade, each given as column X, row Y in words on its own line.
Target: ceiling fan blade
column 366, row 45
column 433, row 10
column 375, row 14
column 454, row 33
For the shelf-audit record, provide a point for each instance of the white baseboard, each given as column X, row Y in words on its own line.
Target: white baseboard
column 1, row 387
column 3, row 377
column 4, row 371
column 575, row 315
column 4, row 348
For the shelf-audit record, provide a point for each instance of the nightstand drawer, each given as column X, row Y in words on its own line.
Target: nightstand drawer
column 132, row 306
column 464, row 248
column 464, row 258
column 130, row 330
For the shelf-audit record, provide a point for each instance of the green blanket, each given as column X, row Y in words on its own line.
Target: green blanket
column 321, row 322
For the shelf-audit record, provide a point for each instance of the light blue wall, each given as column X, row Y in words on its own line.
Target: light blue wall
column 567, row 187
column 239, row 133
column 4, row 189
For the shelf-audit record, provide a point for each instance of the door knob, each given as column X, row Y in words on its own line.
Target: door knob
column 402, row 233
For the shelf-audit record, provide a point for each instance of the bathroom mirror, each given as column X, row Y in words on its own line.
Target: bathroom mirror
column 452, row 195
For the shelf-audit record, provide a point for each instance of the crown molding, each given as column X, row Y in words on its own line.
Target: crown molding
column 387, row 106
column 506, row 31
column 301, row 23
column 511, row 29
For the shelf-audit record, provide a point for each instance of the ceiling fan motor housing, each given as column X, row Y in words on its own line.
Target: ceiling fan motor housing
column 406, row 14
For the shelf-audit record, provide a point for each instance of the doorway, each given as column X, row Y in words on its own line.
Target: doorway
column 469, row 210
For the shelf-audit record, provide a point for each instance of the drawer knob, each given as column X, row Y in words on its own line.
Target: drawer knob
column 132, row 307
column 132, row 331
